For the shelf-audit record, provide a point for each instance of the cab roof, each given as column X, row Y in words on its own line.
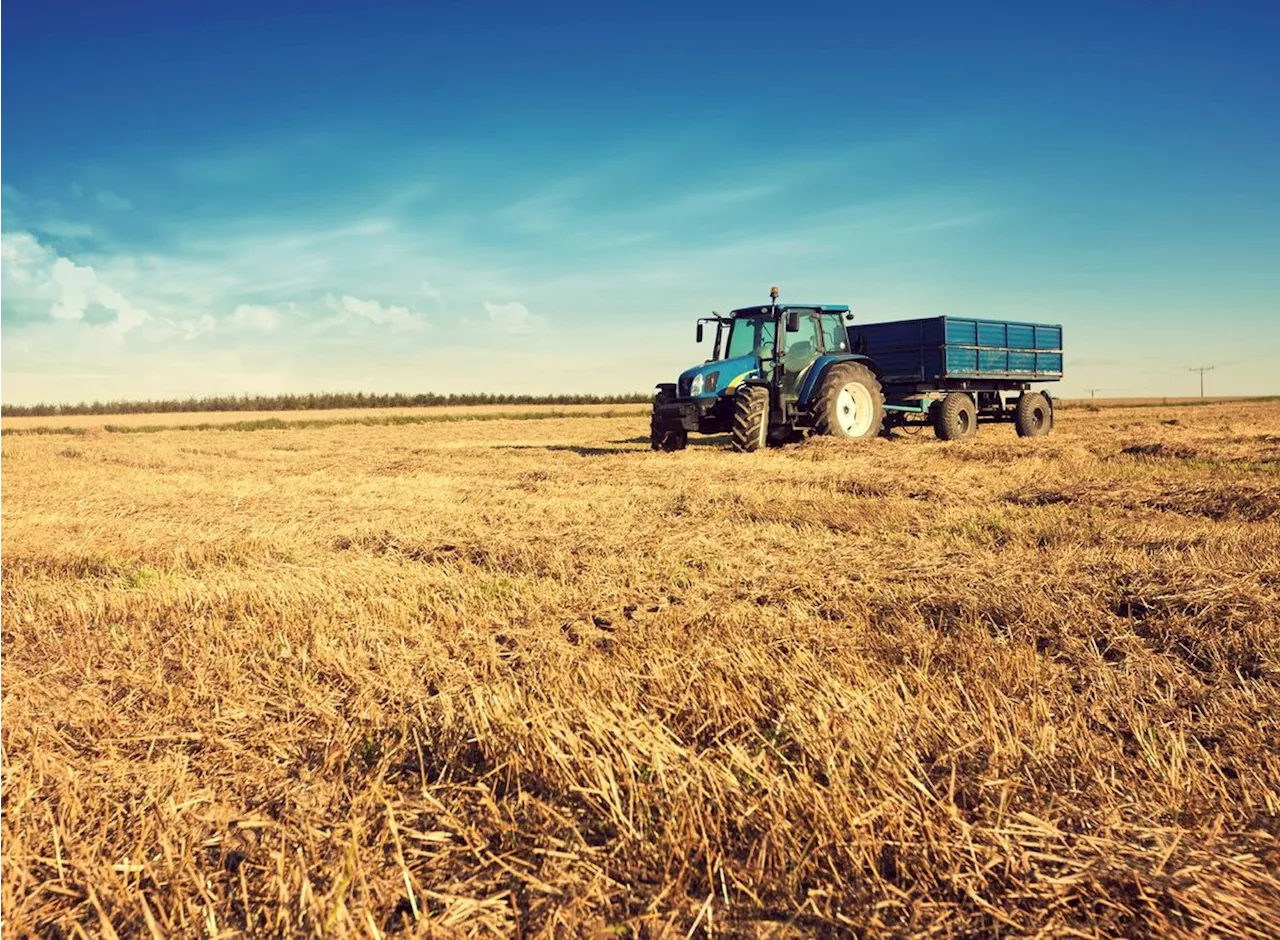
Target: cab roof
column 764, row 308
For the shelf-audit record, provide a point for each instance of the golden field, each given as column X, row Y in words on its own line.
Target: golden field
column 318, row 417
column 528, row 678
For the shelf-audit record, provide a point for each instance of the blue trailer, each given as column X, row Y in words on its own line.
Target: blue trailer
column 955, row 372
column 780, row 371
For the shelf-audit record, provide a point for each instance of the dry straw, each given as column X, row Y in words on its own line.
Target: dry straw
column 527, row 678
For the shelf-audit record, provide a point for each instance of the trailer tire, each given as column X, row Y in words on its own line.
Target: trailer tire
column 1033, row 416
column 850, row 403
column 661, row 437
column 955, row 418
column 750, row 428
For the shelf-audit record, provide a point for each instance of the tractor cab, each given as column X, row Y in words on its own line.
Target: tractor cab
column 807, row 332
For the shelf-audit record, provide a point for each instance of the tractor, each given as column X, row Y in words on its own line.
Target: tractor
column 778, row 372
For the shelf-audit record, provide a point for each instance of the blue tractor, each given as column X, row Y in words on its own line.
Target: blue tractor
column 780, row 371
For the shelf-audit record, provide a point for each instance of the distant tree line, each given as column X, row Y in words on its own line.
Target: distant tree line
column 311, row 402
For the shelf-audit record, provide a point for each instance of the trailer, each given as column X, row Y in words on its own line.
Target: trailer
column 958, row 372
column 782, row 371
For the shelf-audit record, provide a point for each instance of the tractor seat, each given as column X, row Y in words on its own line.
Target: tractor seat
column 797, row 353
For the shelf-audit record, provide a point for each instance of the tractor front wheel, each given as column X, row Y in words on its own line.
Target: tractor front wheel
column 955, row 418
column 850, row 403
column 750, row 428
column 661, row 435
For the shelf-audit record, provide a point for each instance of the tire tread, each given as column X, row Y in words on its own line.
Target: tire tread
column 750, row 408
column 946, row 424
column 836, row 378
column 1023, row 420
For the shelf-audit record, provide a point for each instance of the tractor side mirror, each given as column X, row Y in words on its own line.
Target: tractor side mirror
column 699, row 331
column 793, row 321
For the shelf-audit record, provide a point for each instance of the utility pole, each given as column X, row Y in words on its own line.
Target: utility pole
column 1202, row 370
column 1093, row 392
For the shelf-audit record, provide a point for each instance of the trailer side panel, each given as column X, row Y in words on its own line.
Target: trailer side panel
column 944, row 349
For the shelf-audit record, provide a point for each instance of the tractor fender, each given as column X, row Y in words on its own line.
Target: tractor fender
column 819, row 370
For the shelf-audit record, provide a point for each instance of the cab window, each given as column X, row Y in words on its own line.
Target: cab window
column 834, row 335
column 803, row 342
column 750, row 336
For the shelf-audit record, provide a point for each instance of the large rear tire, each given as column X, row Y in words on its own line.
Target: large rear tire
column 956, row 417
column 750, row 429
column 661, row 436
column 1033, row 416
column 850, row 403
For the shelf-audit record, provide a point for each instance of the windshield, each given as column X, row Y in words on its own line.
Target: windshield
column 750, row 336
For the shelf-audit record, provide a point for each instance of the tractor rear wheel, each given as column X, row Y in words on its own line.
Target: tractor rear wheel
column 750, row 428
column 663, row 436
column 850, row 403
column 955, row 418
column 1034, row 415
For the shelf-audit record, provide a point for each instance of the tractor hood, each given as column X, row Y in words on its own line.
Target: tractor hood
column 721, row 377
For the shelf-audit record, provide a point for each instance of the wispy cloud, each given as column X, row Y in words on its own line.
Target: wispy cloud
column 968, row 220
column 543, row 212
column 398, row 318
column 513, row 319
column 259, row 318
column 110, row 200
column 231, row 166
column 62, row 228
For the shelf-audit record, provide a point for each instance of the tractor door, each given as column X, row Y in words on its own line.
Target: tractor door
column 803, row 348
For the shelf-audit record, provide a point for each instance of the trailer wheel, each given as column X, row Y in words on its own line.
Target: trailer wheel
column 1034, row 415
column 661, row 437
column 955, row 418
column 750, row 428
column 850, row 403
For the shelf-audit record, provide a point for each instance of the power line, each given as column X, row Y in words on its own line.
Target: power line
column 1202, row 370
column 1093, row 392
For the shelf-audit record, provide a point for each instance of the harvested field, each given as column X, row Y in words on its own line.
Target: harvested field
column 442, row 413
column 525, row 677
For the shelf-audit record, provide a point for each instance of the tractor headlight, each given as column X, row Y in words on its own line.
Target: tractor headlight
column 696, row 388
column 713, row 379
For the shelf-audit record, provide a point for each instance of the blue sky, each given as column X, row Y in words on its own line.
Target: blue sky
column 209, row 198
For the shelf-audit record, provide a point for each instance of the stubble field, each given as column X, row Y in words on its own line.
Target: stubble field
column 525, row 677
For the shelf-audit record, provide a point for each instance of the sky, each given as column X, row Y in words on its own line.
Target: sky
column 222, row 198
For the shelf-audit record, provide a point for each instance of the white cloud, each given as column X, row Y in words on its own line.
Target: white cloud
column 128, row 316
column 75, row 289
column 20, row 253
column 257, row 317
column 202, row 327
column 40, row 277
column 109, row 200
column 79, row 287
column 398, row 318
column 513, row 319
